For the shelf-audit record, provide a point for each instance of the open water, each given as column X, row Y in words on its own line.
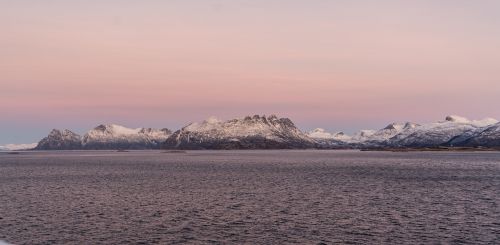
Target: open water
column 250, row 197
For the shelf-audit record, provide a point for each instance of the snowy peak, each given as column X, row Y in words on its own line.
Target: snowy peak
column 208, row 124
column 319, row 133
column 410, row 125
column 242, row 126
column 114, row 136
column 485, row 122
column 371, row 137
column 363, row 135
column 322, row 134
column 212, row 120
column 395, row 126
column 326, row 139
column 155, row 132
column 272, row 121
column 114, row 129
column 60, row 140
column 64, row 134
column 250, row 132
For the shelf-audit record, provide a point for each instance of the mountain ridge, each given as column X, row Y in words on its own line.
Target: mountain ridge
column 105, row 137
column 453, row 131
column 256, row 132
column 271, row 132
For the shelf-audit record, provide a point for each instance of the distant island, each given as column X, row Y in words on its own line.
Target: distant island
column 454, row 133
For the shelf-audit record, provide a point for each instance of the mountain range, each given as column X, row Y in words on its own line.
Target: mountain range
column 271, row 132
column 257, row 132
column 453, row 131
column 105, row 137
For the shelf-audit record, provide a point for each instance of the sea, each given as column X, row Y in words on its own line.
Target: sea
column 249, row 197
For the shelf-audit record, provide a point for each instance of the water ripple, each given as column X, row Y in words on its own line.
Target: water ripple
column 257, row 197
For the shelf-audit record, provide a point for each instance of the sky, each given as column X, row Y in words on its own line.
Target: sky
column 340, row 65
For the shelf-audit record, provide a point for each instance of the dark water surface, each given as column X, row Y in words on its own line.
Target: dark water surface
column 251, row 197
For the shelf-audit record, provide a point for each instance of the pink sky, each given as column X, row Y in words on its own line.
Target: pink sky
column 339, row 65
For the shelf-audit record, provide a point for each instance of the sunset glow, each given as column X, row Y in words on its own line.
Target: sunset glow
column 339, row 65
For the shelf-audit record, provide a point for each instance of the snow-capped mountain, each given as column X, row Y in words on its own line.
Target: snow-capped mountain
column 17, row 147
column 381, row 136
column 489, row 137
column 452, row 131
column 320, row 133
column 105, row 137
column 112, row 136
column 60, row 140
column 326, row 139
column 361, row 138
column 390, row 131
column 362, row 135
column 257, row 132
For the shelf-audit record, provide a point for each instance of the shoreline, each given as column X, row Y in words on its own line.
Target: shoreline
column 388, row 149
column 445, row 149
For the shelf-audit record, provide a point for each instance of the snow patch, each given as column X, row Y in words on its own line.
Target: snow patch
column 17, row 147
column 212, row 120
column 485, row 122
column 320, row 133
column 121, row 130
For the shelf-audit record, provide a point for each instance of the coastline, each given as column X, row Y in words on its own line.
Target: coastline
column 446, row 149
